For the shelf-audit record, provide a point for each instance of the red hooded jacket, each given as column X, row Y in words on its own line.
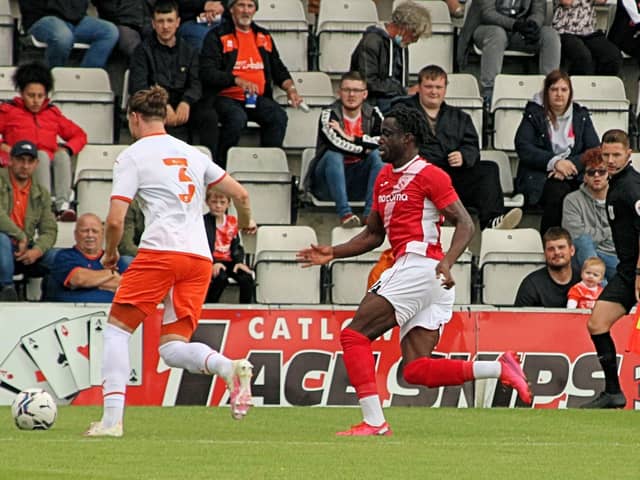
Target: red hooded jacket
column 42, row 128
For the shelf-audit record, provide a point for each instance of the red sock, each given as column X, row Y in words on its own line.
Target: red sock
column 438, row 372
column 359, row 362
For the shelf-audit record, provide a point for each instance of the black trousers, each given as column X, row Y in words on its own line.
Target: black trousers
column 553, row 195
column 219, row 283
column 479, row 188
column 590, row 55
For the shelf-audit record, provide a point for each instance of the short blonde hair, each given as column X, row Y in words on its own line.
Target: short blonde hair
column 592, row 262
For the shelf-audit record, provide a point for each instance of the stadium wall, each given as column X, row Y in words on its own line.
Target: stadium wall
column 298, row 360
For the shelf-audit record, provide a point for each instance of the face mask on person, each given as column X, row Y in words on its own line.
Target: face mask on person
column 398, row 40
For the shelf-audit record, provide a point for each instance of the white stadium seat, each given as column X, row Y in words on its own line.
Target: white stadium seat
column 463, row 92
column 511, row 199
column 606, row 100
column 461, row 270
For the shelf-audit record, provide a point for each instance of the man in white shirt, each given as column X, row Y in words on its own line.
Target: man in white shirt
column 173, row 264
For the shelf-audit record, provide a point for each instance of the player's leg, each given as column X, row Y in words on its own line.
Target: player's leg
column 374, row 316
column 604, row 315
column 183, row 305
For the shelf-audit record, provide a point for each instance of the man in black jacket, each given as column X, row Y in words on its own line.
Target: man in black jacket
column 166, row 60
column 382, row 58
column 131, row 17
column 62, row 23
column 347, row 160
column 453, row 146
column 238, row 63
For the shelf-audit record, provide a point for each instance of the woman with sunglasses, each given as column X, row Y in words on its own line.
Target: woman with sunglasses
column 552, row 136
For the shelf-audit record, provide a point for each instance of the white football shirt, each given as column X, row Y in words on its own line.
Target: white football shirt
column 170, row 178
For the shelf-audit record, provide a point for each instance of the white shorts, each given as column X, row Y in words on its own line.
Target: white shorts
column 417, row 296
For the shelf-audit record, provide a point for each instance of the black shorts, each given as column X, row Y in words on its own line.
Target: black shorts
column 621, row 289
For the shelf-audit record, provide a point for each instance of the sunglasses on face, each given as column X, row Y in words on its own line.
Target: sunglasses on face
column 596, row 171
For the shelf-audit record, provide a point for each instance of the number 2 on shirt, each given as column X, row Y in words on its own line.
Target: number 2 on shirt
column 183, row 177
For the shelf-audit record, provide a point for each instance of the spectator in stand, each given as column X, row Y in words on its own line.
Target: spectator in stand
column 239, row 62
column 453, row 145
column 167, row 60
column 77, row 275
column 30, row 116
column 347, row 160
column 197, row 17
column 28, row 229
column 227, row 252
column 61, row 24
column 133, row 229
column 585, row 50
column 131, row 17
column 549, row 286
column 624, row 29
column 495, row 26
column 585, row 293
column 584, row 214
column 382, row 56
column 553, row 134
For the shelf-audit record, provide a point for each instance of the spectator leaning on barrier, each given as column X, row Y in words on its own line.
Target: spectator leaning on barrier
column 347, row 160
column 382, row 56
column 60, row 24
column 549, row 286
column 239, row 62
column 584, row 214
column 77, row 275
column 28, row 228
column 166, row 60
column 31, row 116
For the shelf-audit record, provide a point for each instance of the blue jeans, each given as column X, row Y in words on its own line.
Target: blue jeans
column 9, row 267
column 333, row 180
column 60, row 37
column 585, row 248
column 193, row 32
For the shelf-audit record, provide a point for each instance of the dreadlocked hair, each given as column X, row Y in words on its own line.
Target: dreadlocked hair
column 410, row 120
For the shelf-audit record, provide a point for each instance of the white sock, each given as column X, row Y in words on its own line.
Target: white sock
column 195, row 357
column 115, row 373
column 486, row 369
column 372, row 410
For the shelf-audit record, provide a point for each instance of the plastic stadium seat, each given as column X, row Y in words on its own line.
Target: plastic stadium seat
column 506, row 257
column 437, row 49
column 510, row 95
column 348, row 276
column 7, row 92
column 463, row 92
column 287, row 23
column 93, row 178
column 511, row 199
column 6, row 33
column 264, row 172
column 65, row 237
column 340, row 26
column 635, row 161
column 606, row 100
column 461, row 270
column 307, row 156
column 279, row 277
column 85, row 96
column 302, row 127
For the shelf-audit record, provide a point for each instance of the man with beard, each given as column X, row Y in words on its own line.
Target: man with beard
column 548, row 287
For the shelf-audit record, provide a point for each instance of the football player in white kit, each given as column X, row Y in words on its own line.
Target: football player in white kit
column 173, row 264
column 410, row 201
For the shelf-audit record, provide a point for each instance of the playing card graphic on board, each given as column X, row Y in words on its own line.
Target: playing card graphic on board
column 73, row 335
column 96, row 329
column 45, row 350
column 18, row 372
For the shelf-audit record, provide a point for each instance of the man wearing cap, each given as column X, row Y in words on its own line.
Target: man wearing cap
column 25, row 210
column 239, row 61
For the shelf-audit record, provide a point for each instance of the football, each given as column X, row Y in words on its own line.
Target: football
column 34, row 409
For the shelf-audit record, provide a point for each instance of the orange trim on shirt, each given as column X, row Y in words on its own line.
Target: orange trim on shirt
column 217, row 181
column 120, row 197
column 67, row 281
column 153, row 134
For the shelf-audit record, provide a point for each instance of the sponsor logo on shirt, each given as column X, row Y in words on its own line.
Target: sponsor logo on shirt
column 393, row 197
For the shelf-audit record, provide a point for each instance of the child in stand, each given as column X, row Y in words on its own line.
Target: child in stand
column 585, row 293
column 228, row 254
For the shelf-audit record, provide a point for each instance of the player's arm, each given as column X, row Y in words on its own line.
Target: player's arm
column 240, row 197
column 456, row 214
column 368, row 239
column 114, row 228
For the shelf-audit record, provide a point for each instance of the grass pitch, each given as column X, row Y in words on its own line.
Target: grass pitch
column 184, row 443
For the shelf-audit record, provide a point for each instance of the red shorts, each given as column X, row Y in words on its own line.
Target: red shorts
column 178, row 280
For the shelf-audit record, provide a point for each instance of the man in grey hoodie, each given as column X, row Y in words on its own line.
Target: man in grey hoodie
column 381, row 56
column 584, row 214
